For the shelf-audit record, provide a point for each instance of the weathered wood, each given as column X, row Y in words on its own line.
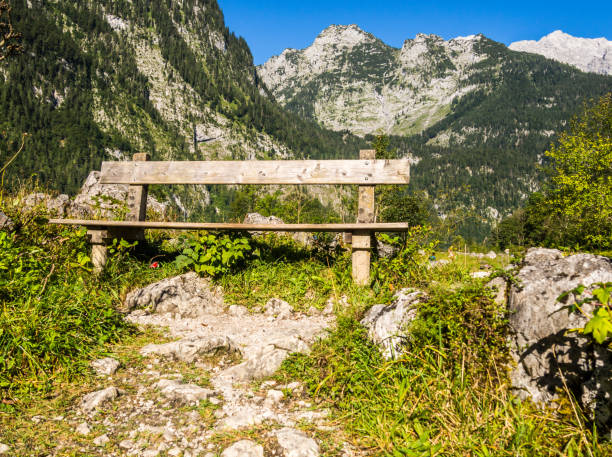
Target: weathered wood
column 361, row 238
column 362, row 171
column 101, row 224
column 99, row 252
column 137, row 203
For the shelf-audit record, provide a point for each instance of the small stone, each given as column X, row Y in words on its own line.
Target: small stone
column 329, row 307
column 480, row 274
column 4, row 449
column 6, row 223
column 238, row 310
column 312, row 311
column 101, row 440
column 126, row 444
column 58, row 418
column 189, row 349
column 94, row 400
column 105, row 367
column 174, row 452
column 491, row 255
column 37, row 419
column 296, row 443
column 278, row 308
column 244, row 417
column 184, row 393
column 150, row 453
column 273, row 397
column 83, row 429
column 244, row 448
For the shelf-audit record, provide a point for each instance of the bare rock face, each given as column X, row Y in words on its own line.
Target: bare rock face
column 386, row 324
column 183, row 296
column 500, row 287
column 6, row 223
column 244, row 448
column 278, row 308
column 544, row 353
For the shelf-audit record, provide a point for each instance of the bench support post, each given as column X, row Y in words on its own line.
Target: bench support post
column 99, row 252
column 361, row 238
column 137, row 203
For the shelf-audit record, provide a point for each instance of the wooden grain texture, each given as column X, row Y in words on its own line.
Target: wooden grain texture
column 258, row 172
column 361, row 238
column 376, row 227
column 137, row 204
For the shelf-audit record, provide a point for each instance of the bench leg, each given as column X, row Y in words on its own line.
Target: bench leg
column 99, row 251
column 361, row 257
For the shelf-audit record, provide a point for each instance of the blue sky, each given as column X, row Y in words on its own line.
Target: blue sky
column 271, row 26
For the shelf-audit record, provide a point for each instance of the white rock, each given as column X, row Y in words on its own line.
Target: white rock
column 386, row 324
column 491, row 255
column 4, row 449
column 189, row 349
column 105, row 367
column 126, row 444
column 273, row 398
column 150, row 453
column 101, row 440
column 238, row 310
column 174, row 452
column 183, row 393
column 480, row 274
column 262, row 362
column 278, row 308
column 83, row 429
column 244, row 448
column 187, row 295
column 296, row 443
column 242, row 417
column 95, row 400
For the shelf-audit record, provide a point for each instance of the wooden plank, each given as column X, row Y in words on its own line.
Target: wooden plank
column 361, row 238
column 258, row 172
column 137, row 203
column 375, row 227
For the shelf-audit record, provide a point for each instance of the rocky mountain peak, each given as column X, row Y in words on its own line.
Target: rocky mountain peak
column 592, row 55
column 343, row 35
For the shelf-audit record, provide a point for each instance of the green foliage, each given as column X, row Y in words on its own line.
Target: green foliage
column 599, row 323
column 216, row 254
column 53, row 313
column 575, row 208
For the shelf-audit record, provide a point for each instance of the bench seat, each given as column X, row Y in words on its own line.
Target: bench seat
column 373, row 227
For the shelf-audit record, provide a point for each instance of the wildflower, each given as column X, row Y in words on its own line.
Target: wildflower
column 154, row 265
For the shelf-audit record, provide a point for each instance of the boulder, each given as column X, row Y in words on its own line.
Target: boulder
column 500, row 287
column 6, row 223
column 386, row 250
column 386, row 323
column 244, row 448
column 185, row 296
column 56, row 206
column 545, row 353
column 106, row 200
column 295, row 443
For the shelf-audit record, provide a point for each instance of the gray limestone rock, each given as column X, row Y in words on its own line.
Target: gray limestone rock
column 540, row 344
column 83, row 429
column 190, row 349
column 386, row 324
column 105, row 367
column 4, row 449
column 237, row 310
column 295, row 443
column 187, row 295
column 499, row 286
column 183, row 393
column 304, row 238
column 244, row 448
column 261, row 362
column 95, row 400
column 101, row 440
column 278, row 308
column 56, row 206
column 6, row 223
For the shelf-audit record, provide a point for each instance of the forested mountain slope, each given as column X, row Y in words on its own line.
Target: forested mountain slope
column 475, row 116
column 103, row 79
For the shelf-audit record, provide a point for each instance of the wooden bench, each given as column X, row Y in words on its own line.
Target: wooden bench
column 138, row 174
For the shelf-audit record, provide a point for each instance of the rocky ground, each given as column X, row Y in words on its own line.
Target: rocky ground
column 203, row 387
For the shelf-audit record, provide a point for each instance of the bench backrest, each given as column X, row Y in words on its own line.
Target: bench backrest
column 362, row 172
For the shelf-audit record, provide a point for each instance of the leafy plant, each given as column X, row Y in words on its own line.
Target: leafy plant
column 214, row 254
column 599, row 323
